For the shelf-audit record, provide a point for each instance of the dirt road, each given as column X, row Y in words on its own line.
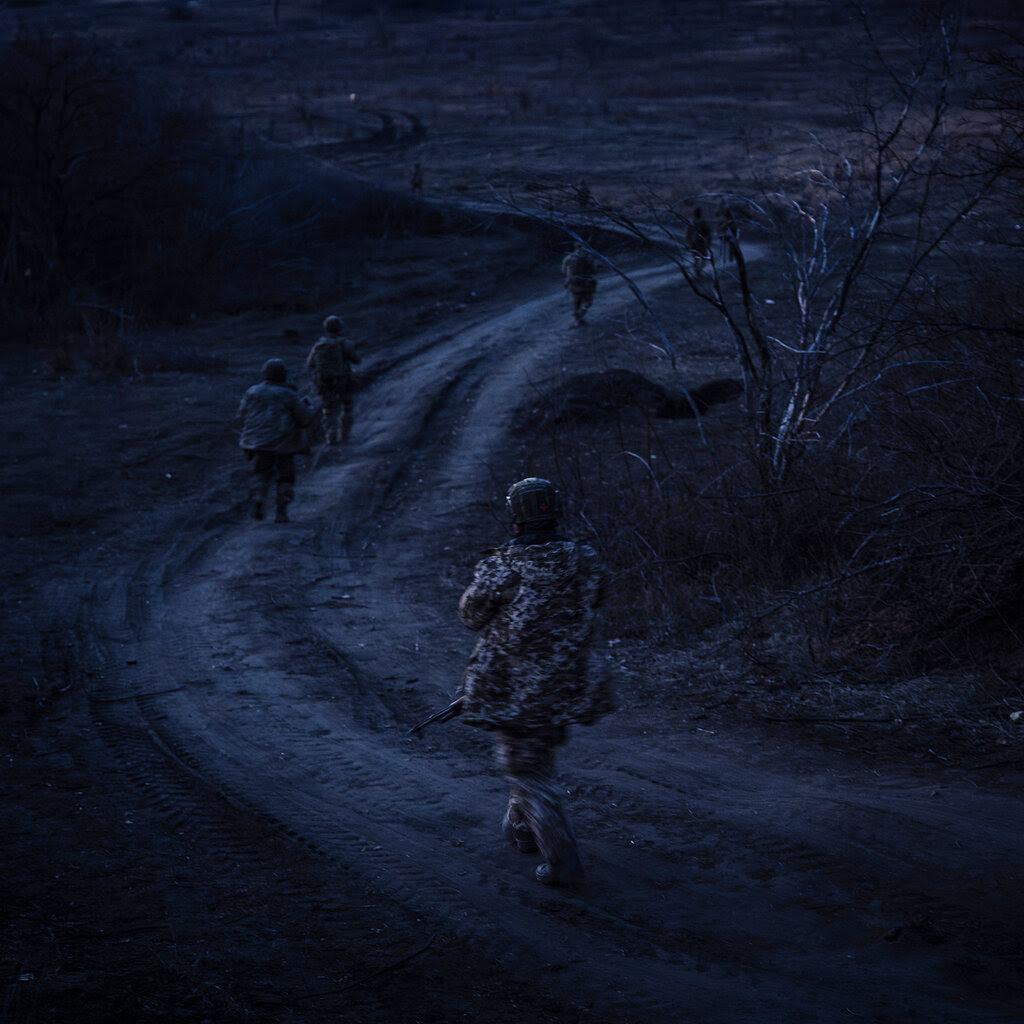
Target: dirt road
column 253, row 685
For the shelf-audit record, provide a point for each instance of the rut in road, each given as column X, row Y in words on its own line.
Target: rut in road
column 282, row 667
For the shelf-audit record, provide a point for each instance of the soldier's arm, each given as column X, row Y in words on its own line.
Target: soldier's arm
column 493, row 586
column 302, row 412
column 352, row 353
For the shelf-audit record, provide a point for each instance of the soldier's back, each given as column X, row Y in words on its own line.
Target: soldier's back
column 269, row 416
column 330, row 359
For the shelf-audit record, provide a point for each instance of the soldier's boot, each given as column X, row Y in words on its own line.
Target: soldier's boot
column 566, row 873
column 258, row 496
column 519, row 834
column 285, row 493
column 523, row 838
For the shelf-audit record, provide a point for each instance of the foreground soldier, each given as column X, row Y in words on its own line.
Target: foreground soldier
column 331, row 360
column 578, row 274
column 273, row 419
column 527, row 680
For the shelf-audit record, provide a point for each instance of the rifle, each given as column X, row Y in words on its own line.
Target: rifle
column 453, row 709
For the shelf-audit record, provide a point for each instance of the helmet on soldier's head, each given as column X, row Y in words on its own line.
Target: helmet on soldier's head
column 533, row 500
column 274, row 371
column 332, row 325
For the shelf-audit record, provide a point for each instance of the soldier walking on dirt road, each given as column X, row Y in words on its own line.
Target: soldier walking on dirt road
column 579, row 277
column 331, row 360
column 274, row 419
column 528, row 679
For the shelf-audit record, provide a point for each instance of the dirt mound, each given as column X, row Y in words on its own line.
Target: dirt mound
column 591, row 397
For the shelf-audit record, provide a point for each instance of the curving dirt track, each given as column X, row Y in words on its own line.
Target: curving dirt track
column 253, row 686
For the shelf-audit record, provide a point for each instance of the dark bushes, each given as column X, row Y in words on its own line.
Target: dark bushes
column 93, row 196
column 114, row 198
column 898, row 547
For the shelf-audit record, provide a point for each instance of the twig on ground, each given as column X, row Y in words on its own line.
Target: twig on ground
column 370, row 977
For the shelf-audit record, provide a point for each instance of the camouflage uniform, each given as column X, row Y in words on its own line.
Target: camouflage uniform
column 273, row 422
column 578, row 272
column 331, row 360
column 528, row 678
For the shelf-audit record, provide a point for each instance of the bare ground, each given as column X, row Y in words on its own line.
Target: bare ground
column 213, row 809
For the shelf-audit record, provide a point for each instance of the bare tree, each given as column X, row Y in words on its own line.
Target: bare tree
column 858, row 227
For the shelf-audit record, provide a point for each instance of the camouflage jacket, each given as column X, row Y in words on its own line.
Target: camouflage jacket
column 534, row 599
column 273, row 417
column 331, row 361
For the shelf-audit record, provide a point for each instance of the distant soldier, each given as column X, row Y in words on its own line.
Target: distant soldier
column 331, row 360
column 579, row 277
column 534, row 599
column 698, row 236
column 416, row 179
column 727, row 227
column 274, row 419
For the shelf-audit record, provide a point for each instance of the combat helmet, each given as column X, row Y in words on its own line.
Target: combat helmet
column 332, row 325
column 274, row 371
column 533, row 501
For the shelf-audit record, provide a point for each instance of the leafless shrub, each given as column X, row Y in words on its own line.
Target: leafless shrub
column 90, row 178
column 877, row 488
column 113, row 195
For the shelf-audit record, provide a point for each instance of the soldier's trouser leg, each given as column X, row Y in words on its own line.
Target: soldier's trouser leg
column 528, row 762
column 331, row 415
column 581, row 299
column 346, row 417
column 586, row 297
column 262, row 478
column 285, row 469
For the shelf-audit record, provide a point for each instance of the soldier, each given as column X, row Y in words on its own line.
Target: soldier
column 331, row 360
column 273, row 423
column 527, row 680
column 578, row 273
column 698, row 237
column 728, row 229
column 416, row 179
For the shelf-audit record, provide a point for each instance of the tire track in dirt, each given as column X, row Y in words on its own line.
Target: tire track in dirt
column 256, row 623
